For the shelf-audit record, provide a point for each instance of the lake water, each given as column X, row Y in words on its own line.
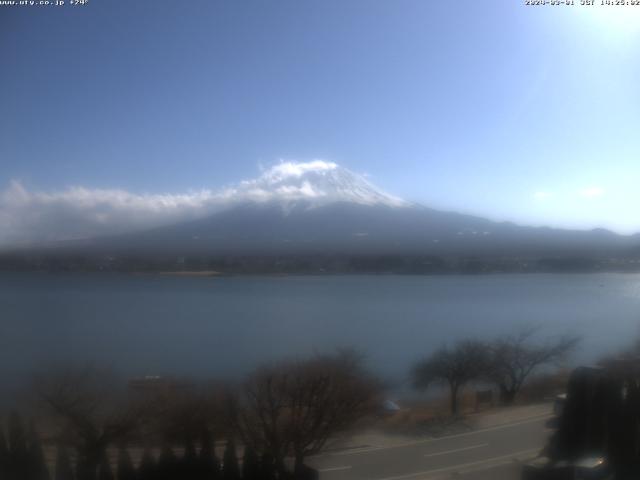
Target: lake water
column 224, row 326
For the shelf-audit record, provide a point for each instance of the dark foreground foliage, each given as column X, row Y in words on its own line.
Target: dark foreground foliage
column 22, row 458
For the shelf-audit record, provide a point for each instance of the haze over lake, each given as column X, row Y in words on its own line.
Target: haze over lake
column 224, row 326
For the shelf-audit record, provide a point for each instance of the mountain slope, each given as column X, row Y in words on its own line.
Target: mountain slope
column 350, row 228
column 319, row 208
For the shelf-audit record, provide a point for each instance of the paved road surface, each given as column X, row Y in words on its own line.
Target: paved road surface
column 489, row 453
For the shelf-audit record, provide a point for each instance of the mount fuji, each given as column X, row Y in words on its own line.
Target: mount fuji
column 319, row 209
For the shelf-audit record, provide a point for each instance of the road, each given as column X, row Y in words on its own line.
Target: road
column 489, row 453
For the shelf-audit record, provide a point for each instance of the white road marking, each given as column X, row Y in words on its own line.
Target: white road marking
column 335, row 469
column 446, row 452
column 487, row 461
column 535, row 418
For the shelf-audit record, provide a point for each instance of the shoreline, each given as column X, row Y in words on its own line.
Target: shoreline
column 184, row 273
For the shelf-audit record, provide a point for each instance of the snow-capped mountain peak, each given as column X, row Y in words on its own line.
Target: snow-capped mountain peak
column 317, row 182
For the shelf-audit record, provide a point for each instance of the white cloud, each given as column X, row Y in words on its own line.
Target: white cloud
column 285, row 170
column 542, row 195
column 592, row 192
column 568, row 196
column 79, row 212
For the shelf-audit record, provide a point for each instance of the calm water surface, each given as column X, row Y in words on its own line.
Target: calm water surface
column 224, row 326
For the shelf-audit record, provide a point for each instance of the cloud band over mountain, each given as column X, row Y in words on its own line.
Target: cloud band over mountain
column 28, row 217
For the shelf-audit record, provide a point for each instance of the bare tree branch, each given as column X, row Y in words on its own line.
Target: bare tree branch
column 513, row 358
column 295, row 408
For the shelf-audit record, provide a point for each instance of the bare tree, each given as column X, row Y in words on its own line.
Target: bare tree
column 258, row 412
column 513, row 358
column 454, row 367
column 89, row 413
column 295, row 408
column 184, row 414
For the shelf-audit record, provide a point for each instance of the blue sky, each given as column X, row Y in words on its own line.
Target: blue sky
column 520, row 113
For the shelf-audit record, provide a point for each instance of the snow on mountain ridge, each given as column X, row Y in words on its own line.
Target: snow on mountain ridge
column 317, row 182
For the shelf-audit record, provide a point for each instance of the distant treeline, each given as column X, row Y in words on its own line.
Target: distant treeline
column 311, row 264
